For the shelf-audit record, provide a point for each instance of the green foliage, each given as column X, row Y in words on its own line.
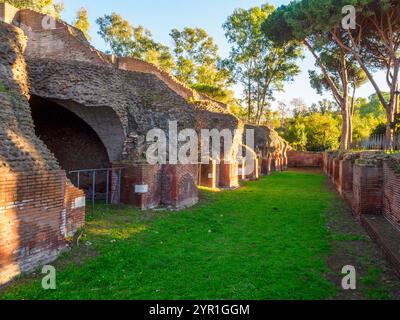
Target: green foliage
column 259, row 65
column 369, row 118
column 225, row 243
column 3, row 88
column 196, row 56
column 325, row 106
column 373, row 107
column 137, row 42
column 296, row 135
column 199, row 66
column 43, row 6
column 82, row 22
column 314, row 132
column 323, row 132
column 317, row 128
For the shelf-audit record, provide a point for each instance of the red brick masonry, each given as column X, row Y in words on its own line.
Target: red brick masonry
column 391, row 193
column 372, row 188
column 367, row 189
column 38, row 211
column 299, row 159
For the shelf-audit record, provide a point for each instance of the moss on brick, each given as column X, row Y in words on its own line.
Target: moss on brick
column 3, row 87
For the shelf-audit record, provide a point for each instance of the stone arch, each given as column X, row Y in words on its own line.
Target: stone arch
column 102, row 120
column 73, row 142
column 105, row 122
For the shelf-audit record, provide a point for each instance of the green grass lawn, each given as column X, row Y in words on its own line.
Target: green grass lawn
column 267, row 240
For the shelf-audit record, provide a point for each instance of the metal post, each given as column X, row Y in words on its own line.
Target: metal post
column 79, row 176
column 107, row 184
column 93, row 190
column 119, row 186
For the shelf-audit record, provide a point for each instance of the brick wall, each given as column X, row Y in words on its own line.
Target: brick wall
column 209, row 175
column 74, row 204
column 325, row 160
column 37, row 212
column 345, row 184
column 64, row 42
column 229, row 175
column 330, row 166
column 141, row 186
column 367, row 189
column 391, row 193
column 298, row 159
column 266, row 166
column 336, row 168
column 178, row 186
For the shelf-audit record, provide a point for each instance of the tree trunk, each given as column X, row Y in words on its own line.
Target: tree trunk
column 390, row 130
column 249, row 101
column 392, row 108
column 350, row 131
column 345, row 130
column 351, row 112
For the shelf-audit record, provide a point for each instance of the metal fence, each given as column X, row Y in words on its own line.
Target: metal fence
column 378, row 142
column 99, row 184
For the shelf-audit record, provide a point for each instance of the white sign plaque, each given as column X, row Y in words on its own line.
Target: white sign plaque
column 141, row 188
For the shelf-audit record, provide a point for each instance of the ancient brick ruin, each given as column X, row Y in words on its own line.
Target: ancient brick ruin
column 369, row 182
column 67, row 106
column 299, row 159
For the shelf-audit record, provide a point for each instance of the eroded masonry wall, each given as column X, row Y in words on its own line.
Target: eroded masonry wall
column 368, row 181
column 391, row 191
column 38, row 206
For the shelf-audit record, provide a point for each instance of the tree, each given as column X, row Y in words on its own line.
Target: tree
column 373, row 107
column 295, row 22
column 44, row 6
column 347, row 78
column 314, row 132
column 369, row 118
column 82, row 22
column 373, row 42
column 117, row 33
column 324, row 106
column 296, row 135
column 196, row 57
column 137, row 42
column 299, row 107
column 323, row 132
column 256, row 63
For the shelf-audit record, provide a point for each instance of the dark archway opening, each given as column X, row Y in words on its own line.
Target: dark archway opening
column 73, row 142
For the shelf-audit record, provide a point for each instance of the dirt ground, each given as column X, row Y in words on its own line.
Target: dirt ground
column 351, row 245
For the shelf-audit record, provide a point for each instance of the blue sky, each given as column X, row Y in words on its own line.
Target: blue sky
column 160, row 16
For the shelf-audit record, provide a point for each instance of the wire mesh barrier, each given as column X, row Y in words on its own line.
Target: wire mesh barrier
column 378, row 142
column 99, row 184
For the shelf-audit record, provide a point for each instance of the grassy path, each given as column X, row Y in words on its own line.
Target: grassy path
column 268, row 240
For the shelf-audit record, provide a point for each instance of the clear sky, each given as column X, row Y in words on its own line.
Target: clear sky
column 160, row 16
